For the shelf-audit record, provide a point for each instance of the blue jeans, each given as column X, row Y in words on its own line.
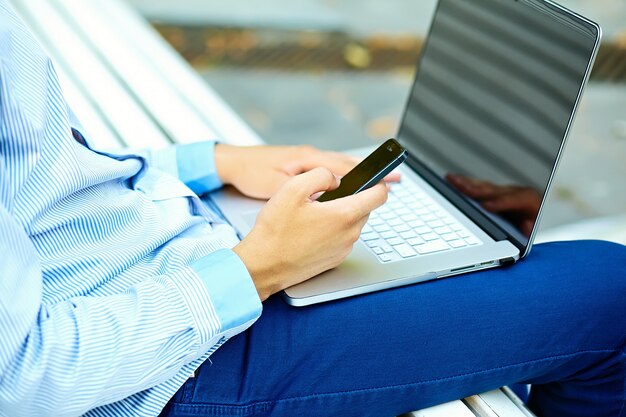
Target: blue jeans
column 556, row 320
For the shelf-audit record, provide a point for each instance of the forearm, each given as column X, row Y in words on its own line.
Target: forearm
column 90, row 351
column 228, row 161
column 94, row 350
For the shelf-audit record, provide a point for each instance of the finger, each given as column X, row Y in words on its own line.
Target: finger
column 340, row 164
column 268, row 185
column 393, row 176
column 315, row 181
column 363, row 203
column 355, row 159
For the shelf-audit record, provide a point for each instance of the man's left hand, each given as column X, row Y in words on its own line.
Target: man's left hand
column 259, row 171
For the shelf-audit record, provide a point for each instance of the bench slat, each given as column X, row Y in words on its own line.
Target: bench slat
column 65, row 45
column 451, row 409
column 121, row 58
column 177, row 73
column 98, row 131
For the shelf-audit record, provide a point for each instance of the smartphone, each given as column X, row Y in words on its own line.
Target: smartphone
column 370, row 171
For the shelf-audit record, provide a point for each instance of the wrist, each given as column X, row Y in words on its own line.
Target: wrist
column 225, row 161
column 264, row 274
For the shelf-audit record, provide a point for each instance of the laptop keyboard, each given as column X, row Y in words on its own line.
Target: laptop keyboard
column 412, row 224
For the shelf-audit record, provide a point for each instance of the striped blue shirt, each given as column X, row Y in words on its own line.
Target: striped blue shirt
column 116, row 281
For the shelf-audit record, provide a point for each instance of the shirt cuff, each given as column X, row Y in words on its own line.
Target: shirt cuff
column 231, row 289
column 196, row 166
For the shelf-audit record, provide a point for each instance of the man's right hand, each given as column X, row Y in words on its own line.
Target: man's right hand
column 296, row 238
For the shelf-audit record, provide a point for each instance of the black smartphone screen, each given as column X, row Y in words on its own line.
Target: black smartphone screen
column 370, row 171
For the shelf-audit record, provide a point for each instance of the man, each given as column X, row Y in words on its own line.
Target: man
column 119, row 288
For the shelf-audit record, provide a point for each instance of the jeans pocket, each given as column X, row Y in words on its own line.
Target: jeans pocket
column 186, row 392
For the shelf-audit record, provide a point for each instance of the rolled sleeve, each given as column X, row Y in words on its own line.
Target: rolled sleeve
column 231, row 289
column 196, row 166
column 191, row 163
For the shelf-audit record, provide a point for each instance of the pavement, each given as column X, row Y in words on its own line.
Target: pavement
column 343, row 109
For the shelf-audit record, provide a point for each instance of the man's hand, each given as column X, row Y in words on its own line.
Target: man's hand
column 296, row 237
column 259, row 171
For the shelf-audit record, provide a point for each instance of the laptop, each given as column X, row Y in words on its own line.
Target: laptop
column 493, row 100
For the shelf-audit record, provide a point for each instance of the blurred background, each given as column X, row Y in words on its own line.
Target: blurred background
column 336, row 74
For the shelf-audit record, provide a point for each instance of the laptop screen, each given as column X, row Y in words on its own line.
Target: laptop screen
column 496, row 87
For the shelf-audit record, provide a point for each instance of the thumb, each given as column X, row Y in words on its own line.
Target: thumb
column 314, row 181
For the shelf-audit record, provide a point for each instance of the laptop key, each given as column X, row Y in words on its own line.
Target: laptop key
column 375, row 243
column 441, row 230
column 381, row 228
column 401, row 228
column 403, row 211
column 410, row 234
column 416, row 223
column 422, row 230
column 440, row 213
column 388, row 215
column 405, row 250
column 457, row 244
column 386, row 248
column 395, row 241
column 388, row 235
column 417, row 241
column 385, row 257
column 432, row 247
column 369, row 236
column 375, row 221
column 449, row 237
column 430, row 236
column 435, row 224
column 429, row 217
column 395, row 221
column 410, row 218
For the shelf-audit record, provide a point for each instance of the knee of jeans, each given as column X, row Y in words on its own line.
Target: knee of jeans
column 608, row 260
column 604, row 264
column 597, row 257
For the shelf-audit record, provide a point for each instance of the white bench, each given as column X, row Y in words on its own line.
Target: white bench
column 130, row 88
column 125, row 84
